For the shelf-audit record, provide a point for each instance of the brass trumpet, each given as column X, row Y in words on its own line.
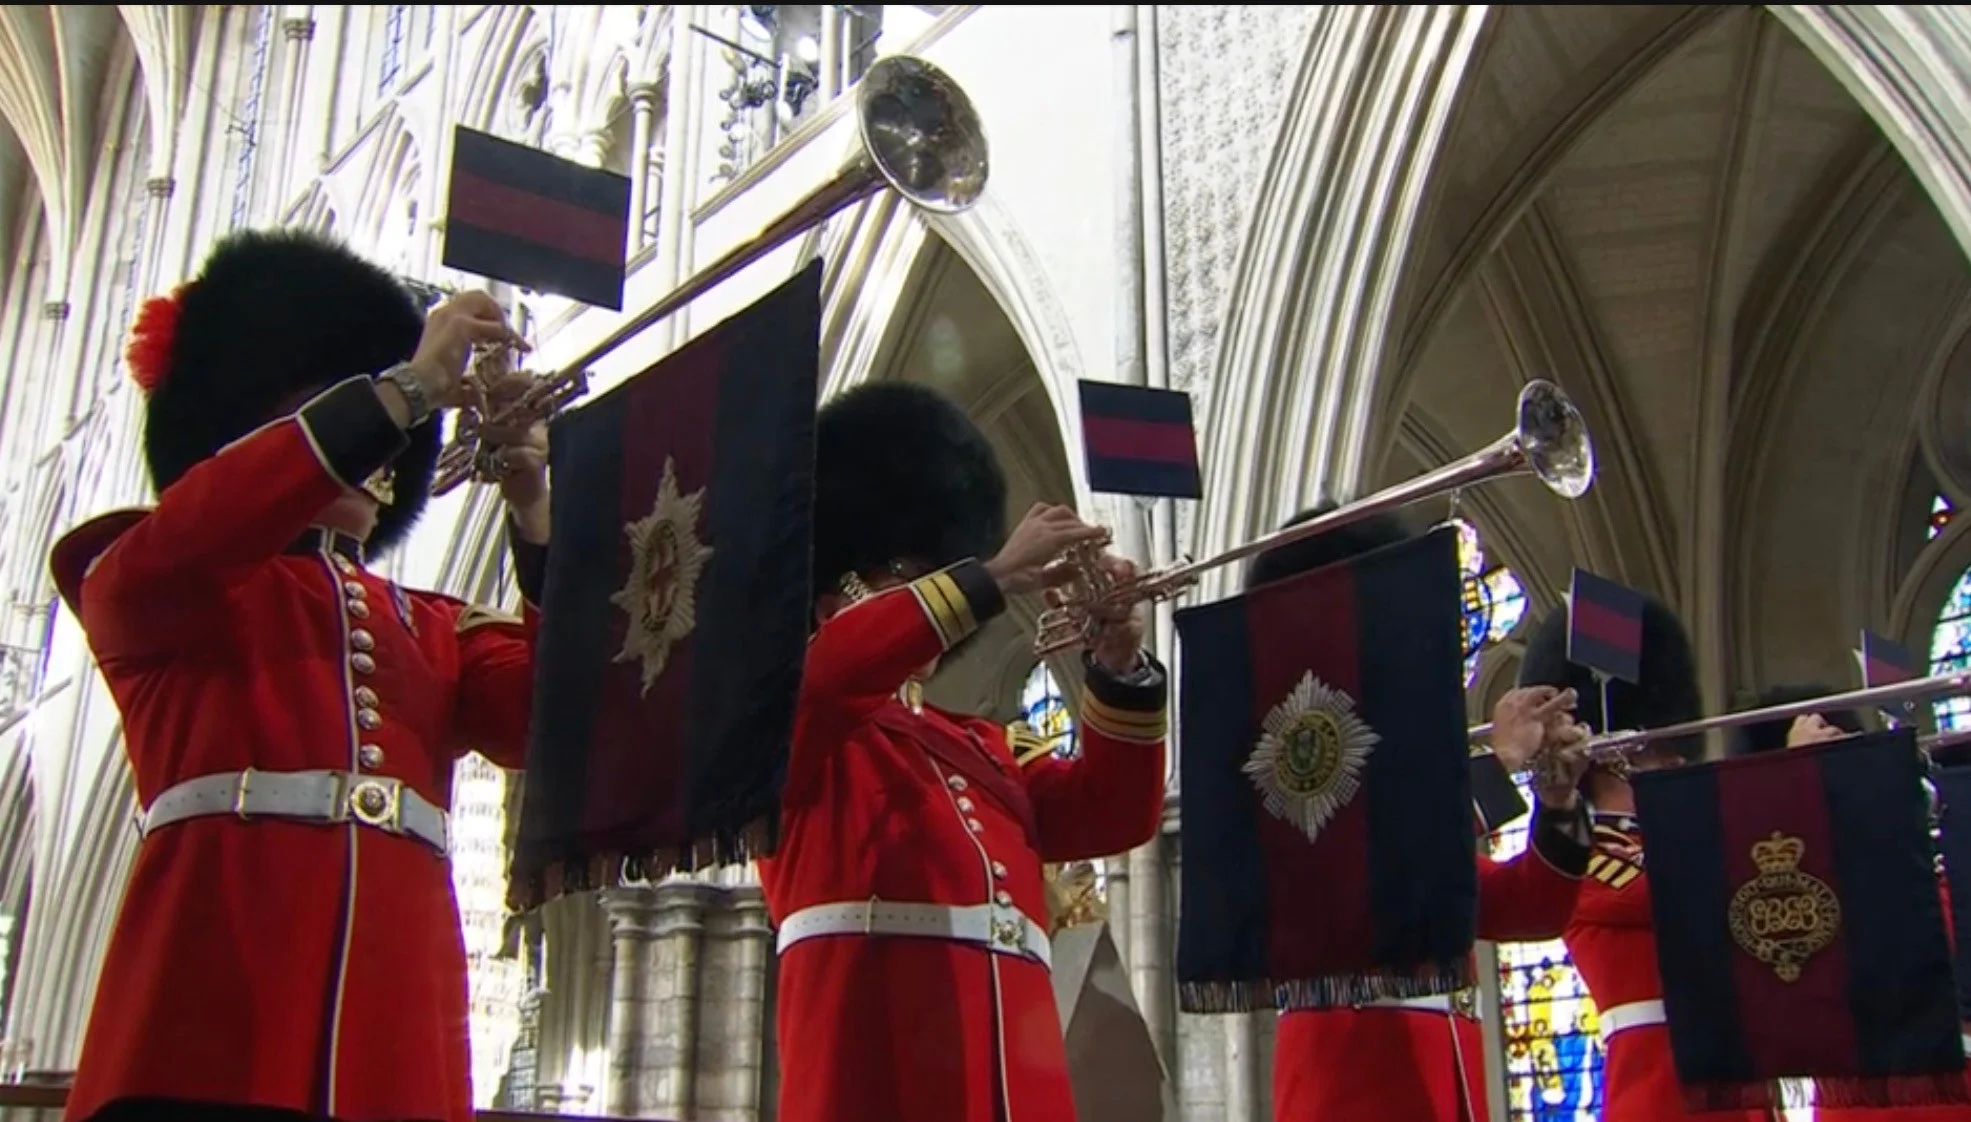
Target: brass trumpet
column 469, row 455
column 1550, row 440
column 920, row 137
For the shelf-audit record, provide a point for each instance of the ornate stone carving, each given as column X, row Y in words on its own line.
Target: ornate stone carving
column 1223, row 74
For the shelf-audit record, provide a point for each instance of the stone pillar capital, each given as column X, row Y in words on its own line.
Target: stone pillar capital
column 632, row 911
column 681, row 905
column 160, row 186
column 298, row 29
column 643, row 96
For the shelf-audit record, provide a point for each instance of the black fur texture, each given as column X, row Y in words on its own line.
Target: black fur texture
column 1332, row 547
column 1667, row 695
column 902, row 475
column 276, row 315
column 1770, row 736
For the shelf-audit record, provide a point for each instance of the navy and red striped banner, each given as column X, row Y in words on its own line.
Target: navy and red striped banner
column 1605, row 627
column 531, row 218
column 1139, row 441
column 1799, row 929
column 676, row 614
column 1358, row 664
column 1883, row 663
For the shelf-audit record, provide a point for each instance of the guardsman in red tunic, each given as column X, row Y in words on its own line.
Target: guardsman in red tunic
column 1422, row 1059
column 1612, row 937
column 288, row 945
column 1815, row 728
column 908, row 888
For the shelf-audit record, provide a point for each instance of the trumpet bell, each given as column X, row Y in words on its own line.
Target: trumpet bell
column 922, row 134
column 1554, row 439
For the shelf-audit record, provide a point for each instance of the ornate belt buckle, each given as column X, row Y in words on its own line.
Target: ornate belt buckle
column 1009, row 934
column 378, row 803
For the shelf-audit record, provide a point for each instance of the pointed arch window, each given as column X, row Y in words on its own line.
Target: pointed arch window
column 1950, row 651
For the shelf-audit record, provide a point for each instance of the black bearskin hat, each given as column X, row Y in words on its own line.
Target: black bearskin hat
column 1768, row 736
column 1322, row 550
column 1667, row 695
column 901, row 474
column 274, row 317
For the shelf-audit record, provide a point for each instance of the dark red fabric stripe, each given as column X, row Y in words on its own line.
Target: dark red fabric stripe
column 1617, row 629
column 1882, row 673
column 1128, row 439
column 641, row 739
column 1803, row 1025
column 1319, row 921
column 545, row 222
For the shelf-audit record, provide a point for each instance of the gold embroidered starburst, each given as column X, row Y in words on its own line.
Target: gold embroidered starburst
column 1311, row 751
column 666, row 562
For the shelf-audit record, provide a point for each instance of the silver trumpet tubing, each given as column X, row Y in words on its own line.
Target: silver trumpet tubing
column 1549, row 440
column 920, row 137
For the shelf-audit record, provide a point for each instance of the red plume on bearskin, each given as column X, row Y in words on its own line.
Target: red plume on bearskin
column 149, row 352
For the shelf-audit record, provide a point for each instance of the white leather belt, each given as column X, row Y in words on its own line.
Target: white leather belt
column 327, row 797
column 1635, row 1014
column 1002, row 930
column 1464, row 1003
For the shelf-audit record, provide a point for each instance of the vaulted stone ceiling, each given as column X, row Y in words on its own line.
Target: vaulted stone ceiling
column 1681, row 216
column 55, row 65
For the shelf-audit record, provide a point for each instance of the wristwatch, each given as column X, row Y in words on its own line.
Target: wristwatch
column 412, row 387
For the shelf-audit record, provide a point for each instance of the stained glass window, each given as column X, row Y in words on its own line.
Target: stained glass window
column 1940, row 512
column 1950, row 651
column 1494, row 601
column 1553, row 1049
column 1043, row 706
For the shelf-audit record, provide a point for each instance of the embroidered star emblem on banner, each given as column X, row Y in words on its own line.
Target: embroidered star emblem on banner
column 1311, row 751
column 666, row 561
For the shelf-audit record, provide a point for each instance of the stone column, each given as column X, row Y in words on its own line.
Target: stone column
column 643, row 117
column 633, row 922
column 829, row 64
column 681, row 101
column 670, row 1051
column 296, row 32
column 737, row 954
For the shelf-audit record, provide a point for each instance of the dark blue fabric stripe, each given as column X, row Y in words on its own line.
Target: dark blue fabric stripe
column 1423, row 874
column 539, row 173
column 1683, row 837
column 1135, row 403
column 488, row 253
column 1222, row 925
column 755, row 601
column 574, row 644
column 1114, row 475
column 1954, row 790
column 1603, row 658
column 1900, row 983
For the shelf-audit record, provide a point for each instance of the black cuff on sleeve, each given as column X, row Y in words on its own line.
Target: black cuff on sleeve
column 529, row 565
column 1146, row 691
column 350, row 430
column 981, row 592
column 1563, row 838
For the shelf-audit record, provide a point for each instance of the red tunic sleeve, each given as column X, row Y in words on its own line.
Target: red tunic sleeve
column 1530, row 897
column 158, row 586
column 862, row 655
column 1108, row 798
column 496, row 664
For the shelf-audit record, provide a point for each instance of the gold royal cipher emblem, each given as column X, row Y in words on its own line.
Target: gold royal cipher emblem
column 666, row 562
column 1311, row 751
column 1782, row 916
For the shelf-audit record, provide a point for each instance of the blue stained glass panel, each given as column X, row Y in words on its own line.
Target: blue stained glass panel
column 1950, row 651
column 1045, row 708
column 1553, row 1047
column 1494, row 602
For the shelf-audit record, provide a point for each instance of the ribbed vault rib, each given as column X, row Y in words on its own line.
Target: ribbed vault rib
column 1600, row 88
column 162, row 34
column 1619, row 528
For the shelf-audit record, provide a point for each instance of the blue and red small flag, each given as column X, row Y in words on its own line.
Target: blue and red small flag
column 1139, row 441
column 1799, row 929
column 1883, row 663
column 531, row 218
column 1605, row 627
column 1329, row 854
column 676, row 613
column 1953, row 782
